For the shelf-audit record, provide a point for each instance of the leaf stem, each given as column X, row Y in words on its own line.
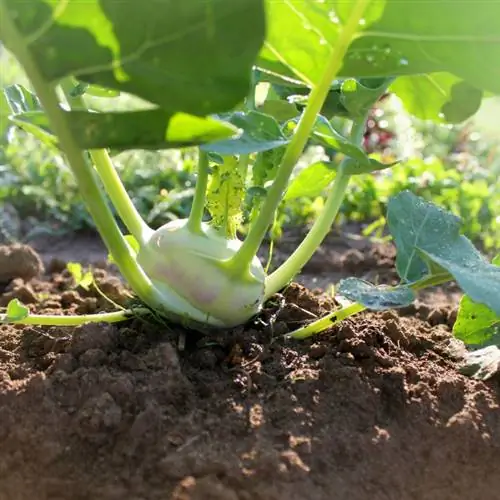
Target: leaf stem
column 75, row 320
column 322, row 225
column 198, row 207
column 109, row 176
column 336, row 317
column 248, row 250
column 86, row 178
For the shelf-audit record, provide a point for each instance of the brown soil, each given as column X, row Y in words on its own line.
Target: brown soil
column 373, row 409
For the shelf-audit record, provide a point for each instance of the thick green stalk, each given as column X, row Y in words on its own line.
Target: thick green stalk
column 241, row 261
column 63, row 320
column 198, row 207
column 321, row 227
column 87, row 183
column 109, row 176
column 336, row 317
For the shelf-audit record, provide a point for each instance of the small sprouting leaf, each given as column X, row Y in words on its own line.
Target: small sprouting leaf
column 311, row 181
column 428, row 240
column 133, row 245
column 325, row 135
column 16, row 311
column 260, row 133
column 144, row 129
column 477, row 324
column 440, row 97
column 483, row 363
column 376, row 297
column 79, row 277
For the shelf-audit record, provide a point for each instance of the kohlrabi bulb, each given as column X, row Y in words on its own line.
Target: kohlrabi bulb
column 190, row 270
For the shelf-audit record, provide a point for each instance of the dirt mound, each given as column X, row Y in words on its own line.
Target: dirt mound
column 373, row 409
column 19, row 261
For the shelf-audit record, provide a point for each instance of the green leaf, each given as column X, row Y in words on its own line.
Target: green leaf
column 325, row 135
column 260, row 133
column 376, row 297
column 16, row 311
column 185, row 56
column 266, row 166
column 477, row 324
column 398, row 37
column 311, row 181
column 347, row 98
column 372, row 13
column 429, row 239
column 300, row 38
column 37, row 124
column 357, row 98
column 299, row 97
column 79, row 277
column 352, row 167
column 440, row 97
column 279, row 110
column 144, row 129
column 20, row 99
column 15, row 99
column 483, row 363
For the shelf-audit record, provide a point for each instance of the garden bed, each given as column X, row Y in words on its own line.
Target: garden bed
column 373, row 409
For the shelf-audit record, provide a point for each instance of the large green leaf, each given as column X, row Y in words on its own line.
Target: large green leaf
column 190, row 56
column 441, row 97
column 145, row 129
column 429, row 239
column 398, row 37
column 260, row 133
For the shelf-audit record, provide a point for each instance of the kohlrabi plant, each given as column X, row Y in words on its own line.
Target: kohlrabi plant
column 251, row 84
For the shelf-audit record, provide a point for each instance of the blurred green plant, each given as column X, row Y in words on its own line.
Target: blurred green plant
column 453, row 165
